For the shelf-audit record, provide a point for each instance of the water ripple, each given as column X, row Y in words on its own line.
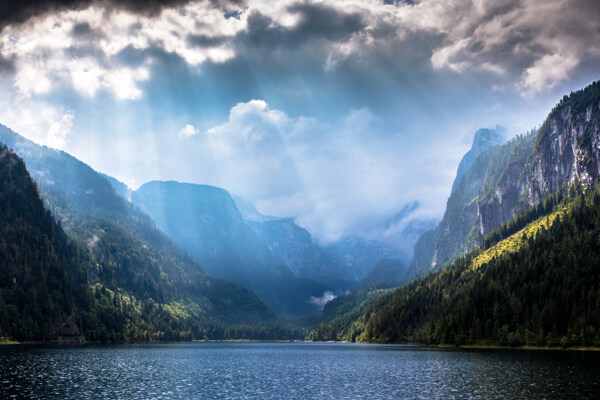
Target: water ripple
column 293, row 370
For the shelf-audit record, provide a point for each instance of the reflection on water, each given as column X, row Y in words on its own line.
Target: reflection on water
column 294, row 370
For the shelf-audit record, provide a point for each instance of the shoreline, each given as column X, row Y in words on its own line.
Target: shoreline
column 501, row 347
column 441, row 346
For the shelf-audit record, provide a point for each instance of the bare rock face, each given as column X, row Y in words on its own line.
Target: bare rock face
column 568, row 150
column 455, row 233
column 505, row 186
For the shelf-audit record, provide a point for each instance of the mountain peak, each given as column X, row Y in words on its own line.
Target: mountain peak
column 484, row 139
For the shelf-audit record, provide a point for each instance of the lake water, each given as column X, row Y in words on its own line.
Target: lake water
column 295, row 371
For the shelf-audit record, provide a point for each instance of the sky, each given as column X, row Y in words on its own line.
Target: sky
column 337, row 113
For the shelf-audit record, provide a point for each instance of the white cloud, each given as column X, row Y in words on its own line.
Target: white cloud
column 188, row 131
column 324, row 299
column 45, row 49
column 59, row 131
column 547, row 72
column 443, row 57
column 334, row 178
column 30, row 80
column 45, row 124
column 545, row 39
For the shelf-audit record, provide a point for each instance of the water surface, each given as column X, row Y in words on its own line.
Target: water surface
column 294, row 370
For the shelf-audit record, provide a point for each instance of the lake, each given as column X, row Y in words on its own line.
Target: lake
column 294, row 370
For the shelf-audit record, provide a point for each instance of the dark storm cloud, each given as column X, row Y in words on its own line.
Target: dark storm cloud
column 317, row 23
column 291, row 63
column 19, row 11
column 515, row 38
column 323, row 22
column 206, row 41
column 6, row 65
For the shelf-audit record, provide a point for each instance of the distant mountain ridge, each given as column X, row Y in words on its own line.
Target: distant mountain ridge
column 360, row 255
column 206, row 222
column 273, row 256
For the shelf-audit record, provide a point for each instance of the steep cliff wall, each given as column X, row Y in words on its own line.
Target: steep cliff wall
column 568, row 144
column 504, row 180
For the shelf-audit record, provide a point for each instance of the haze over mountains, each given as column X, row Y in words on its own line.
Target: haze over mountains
column 274, row 257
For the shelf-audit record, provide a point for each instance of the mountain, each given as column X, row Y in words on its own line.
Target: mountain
column 462, row 226
column 120, row 188
column 206, row 222
column 537, row 287
column 504, row 180
column 343, row 318
column 530, row 272
column 126, row 255
column 388, row 270
column 335, row 265
column 360, row 255
column 484, row 139
column 36, row 275
column 293, row 246
column 402, row 230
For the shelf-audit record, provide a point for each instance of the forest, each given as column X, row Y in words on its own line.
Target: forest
column 54, row 288
column 546, row 293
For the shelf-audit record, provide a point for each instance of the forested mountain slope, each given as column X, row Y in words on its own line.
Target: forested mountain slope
column 121, row 251
column 534, row 279
column 540, row 286
column 38, row 269
column 535, row 286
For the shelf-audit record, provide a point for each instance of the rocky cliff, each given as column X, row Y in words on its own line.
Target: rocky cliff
column 504, row 180
column 568, row 145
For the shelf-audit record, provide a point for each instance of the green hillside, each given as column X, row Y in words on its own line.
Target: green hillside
column 539, row 286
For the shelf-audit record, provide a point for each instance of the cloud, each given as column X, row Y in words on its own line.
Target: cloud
column 360, row 107
column 253, row 125
column 80, row 48
column 547, row 72
column 77, row 43
column 42, row 123
column 330, row 176
column 538, row 42
column 59, row 131
column 188, row 131
column 321, row 301
column 20, row 11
